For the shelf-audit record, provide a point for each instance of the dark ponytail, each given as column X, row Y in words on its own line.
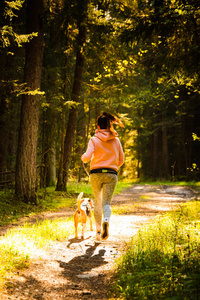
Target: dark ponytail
column 106, row 120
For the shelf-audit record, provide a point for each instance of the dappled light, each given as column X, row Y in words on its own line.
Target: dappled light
column 92, row 90
column 55, row 264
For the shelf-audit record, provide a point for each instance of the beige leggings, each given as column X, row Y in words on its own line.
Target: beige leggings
column 103, row 187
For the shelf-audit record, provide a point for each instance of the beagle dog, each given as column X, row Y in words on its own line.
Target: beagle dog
column 83, row 211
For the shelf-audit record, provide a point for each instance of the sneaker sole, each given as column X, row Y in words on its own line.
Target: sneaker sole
column 105, row 233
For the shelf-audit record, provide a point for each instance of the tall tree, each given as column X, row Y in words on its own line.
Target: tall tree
column 76, row 93
column 26, row 168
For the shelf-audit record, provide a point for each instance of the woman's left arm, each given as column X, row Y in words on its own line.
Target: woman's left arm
column 86, row 157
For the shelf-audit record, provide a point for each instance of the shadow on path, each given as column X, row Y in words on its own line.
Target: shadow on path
column 76, row 241
column 84, row 263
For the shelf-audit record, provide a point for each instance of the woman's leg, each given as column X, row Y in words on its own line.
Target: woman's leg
column 96, row 184
column 103, row 187
column 109, row 185
column 108, row 191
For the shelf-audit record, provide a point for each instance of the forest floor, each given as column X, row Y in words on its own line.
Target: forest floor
column 81, row 269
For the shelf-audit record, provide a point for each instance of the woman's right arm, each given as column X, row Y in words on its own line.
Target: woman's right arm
column 121, row 155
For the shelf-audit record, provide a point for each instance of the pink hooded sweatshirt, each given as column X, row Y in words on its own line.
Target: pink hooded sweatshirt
column 104, row 150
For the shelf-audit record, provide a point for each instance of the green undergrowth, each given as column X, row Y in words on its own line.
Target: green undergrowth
column 124, row 209
column 163, row 259
column 19, row 247
column 195, row 184
column 12, row 208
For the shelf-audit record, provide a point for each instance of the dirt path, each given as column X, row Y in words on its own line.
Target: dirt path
column 80, row 269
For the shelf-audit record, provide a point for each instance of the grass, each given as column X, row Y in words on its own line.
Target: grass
column 195, row 184
column 12, row 208
column 163, row 259
column 19, row 246
column 124, row 209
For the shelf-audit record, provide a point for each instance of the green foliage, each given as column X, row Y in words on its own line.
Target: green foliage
column 11, row 208
column 195, row 184
column 124, row 209
column 11, row 259
column 162, row 261
column 140, row 62
column 159, row 84
column 19, row 247
column 7, row 32
column 11, row 6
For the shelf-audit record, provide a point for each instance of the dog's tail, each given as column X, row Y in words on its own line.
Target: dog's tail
column 79, row 200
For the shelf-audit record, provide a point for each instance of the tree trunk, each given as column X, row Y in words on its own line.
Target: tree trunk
column 59, row 186
column 155, row 154
column 50, row 164
column 26, row 169
column 81, row 135
column 165, row 160
column 97, row 109
column 76, row 91
column 48, row 161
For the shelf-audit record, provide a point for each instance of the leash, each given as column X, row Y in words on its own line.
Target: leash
column 86, row 170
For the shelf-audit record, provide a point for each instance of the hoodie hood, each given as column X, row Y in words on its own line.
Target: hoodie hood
column 105, row 134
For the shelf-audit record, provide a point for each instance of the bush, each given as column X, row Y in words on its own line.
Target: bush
column 162, row 261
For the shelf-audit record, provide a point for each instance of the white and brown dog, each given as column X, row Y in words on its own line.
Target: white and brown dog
column 84, row 210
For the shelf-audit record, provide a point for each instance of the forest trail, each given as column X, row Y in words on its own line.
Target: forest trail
column 80, row 269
